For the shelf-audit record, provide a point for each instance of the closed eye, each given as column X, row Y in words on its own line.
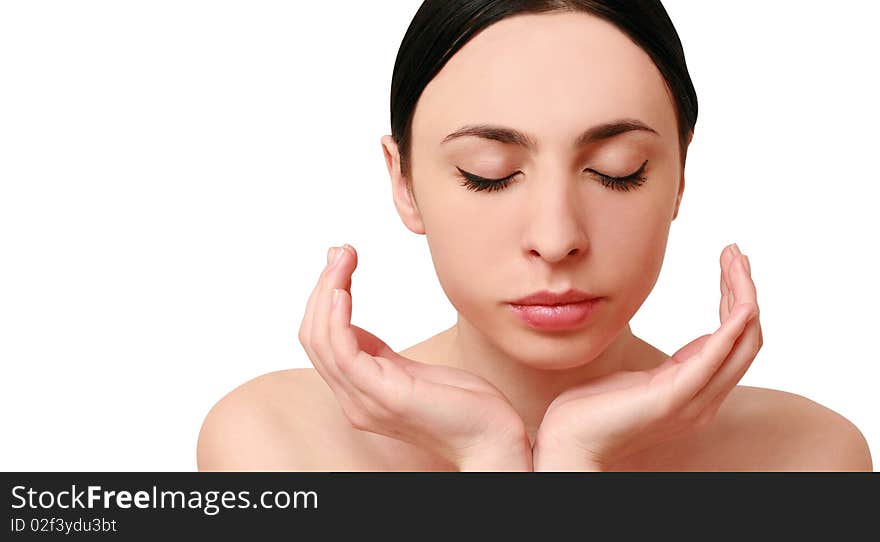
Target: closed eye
column 478, row 184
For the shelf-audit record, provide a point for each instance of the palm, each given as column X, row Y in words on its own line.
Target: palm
column 465, row 396
column 612, row 409
column 439, row 374
column 617, row 403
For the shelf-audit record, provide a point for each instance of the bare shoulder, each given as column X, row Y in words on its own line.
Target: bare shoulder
column 762, row 429
column 273, row 422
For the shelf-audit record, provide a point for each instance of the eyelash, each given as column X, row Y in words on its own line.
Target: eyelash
column 476, row 183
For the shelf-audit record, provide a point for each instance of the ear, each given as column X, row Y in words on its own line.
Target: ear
column 681, row 181
column 404, row 199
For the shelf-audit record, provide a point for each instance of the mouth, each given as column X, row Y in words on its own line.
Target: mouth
column 556, row 317
column 546, row 298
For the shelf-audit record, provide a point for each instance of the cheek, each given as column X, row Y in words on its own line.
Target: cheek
column 629, row 249
column 461, row 247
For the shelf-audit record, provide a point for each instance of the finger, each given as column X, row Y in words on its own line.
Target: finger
column 742, row 288
column 727, row 377
column 371, row 344
column 356, row 366
column 757, row 320
column 306, row 326
column 696, row 373
column 728, row 260
column 316, row 346
column 450, row 376
column 352, row 260
column 741, row 283
column 338, row 275
column 305, row 333
column 747, row 293
column 724, row 305
column 322, row 286
column 687, row 351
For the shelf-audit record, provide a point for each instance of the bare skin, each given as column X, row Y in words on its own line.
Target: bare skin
column 292, row 420
column 554, row 226
column 263, row 425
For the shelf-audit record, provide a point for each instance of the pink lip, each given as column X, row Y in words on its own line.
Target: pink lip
column 555, row 317
column 546, row 297
column 548, row 311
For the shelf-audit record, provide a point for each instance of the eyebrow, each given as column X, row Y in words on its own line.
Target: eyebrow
column 600, row 132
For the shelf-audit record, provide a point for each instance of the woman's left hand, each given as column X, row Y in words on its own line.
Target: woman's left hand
column 594, row 425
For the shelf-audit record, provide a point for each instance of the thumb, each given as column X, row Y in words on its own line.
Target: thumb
column 372, row 344
column 685, row 352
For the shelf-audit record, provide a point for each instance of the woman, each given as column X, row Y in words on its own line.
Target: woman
column 540, row 147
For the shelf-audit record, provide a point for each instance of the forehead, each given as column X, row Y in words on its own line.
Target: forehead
column 552, row 75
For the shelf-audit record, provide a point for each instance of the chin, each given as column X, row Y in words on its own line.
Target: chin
column 554, row 352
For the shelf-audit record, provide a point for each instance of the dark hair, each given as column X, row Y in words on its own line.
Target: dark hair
column 442, row 27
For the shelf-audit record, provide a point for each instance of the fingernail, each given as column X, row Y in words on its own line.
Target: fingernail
column 337, row 256
column 330, row 252
column 736, row 248
column 335, row 299
column 333, row 256
column 748, row 265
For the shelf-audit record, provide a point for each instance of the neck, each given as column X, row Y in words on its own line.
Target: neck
column 531, row 389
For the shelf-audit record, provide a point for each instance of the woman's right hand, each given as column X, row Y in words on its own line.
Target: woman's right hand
column 453, row 413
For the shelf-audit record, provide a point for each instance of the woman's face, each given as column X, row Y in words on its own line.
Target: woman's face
column 555, row 226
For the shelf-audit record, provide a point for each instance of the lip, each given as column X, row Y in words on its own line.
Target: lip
column 553, row 312
column 546, row 297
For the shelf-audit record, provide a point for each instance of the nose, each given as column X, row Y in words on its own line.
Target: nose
column 555, row 228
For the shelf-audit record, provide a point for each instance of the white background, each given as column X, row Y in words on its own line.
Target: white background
column 173, row 172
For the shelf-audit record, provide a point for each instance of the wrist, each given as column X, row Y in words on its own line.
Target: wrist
column 561, row 462
column 561, row 458
column 516, row 457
